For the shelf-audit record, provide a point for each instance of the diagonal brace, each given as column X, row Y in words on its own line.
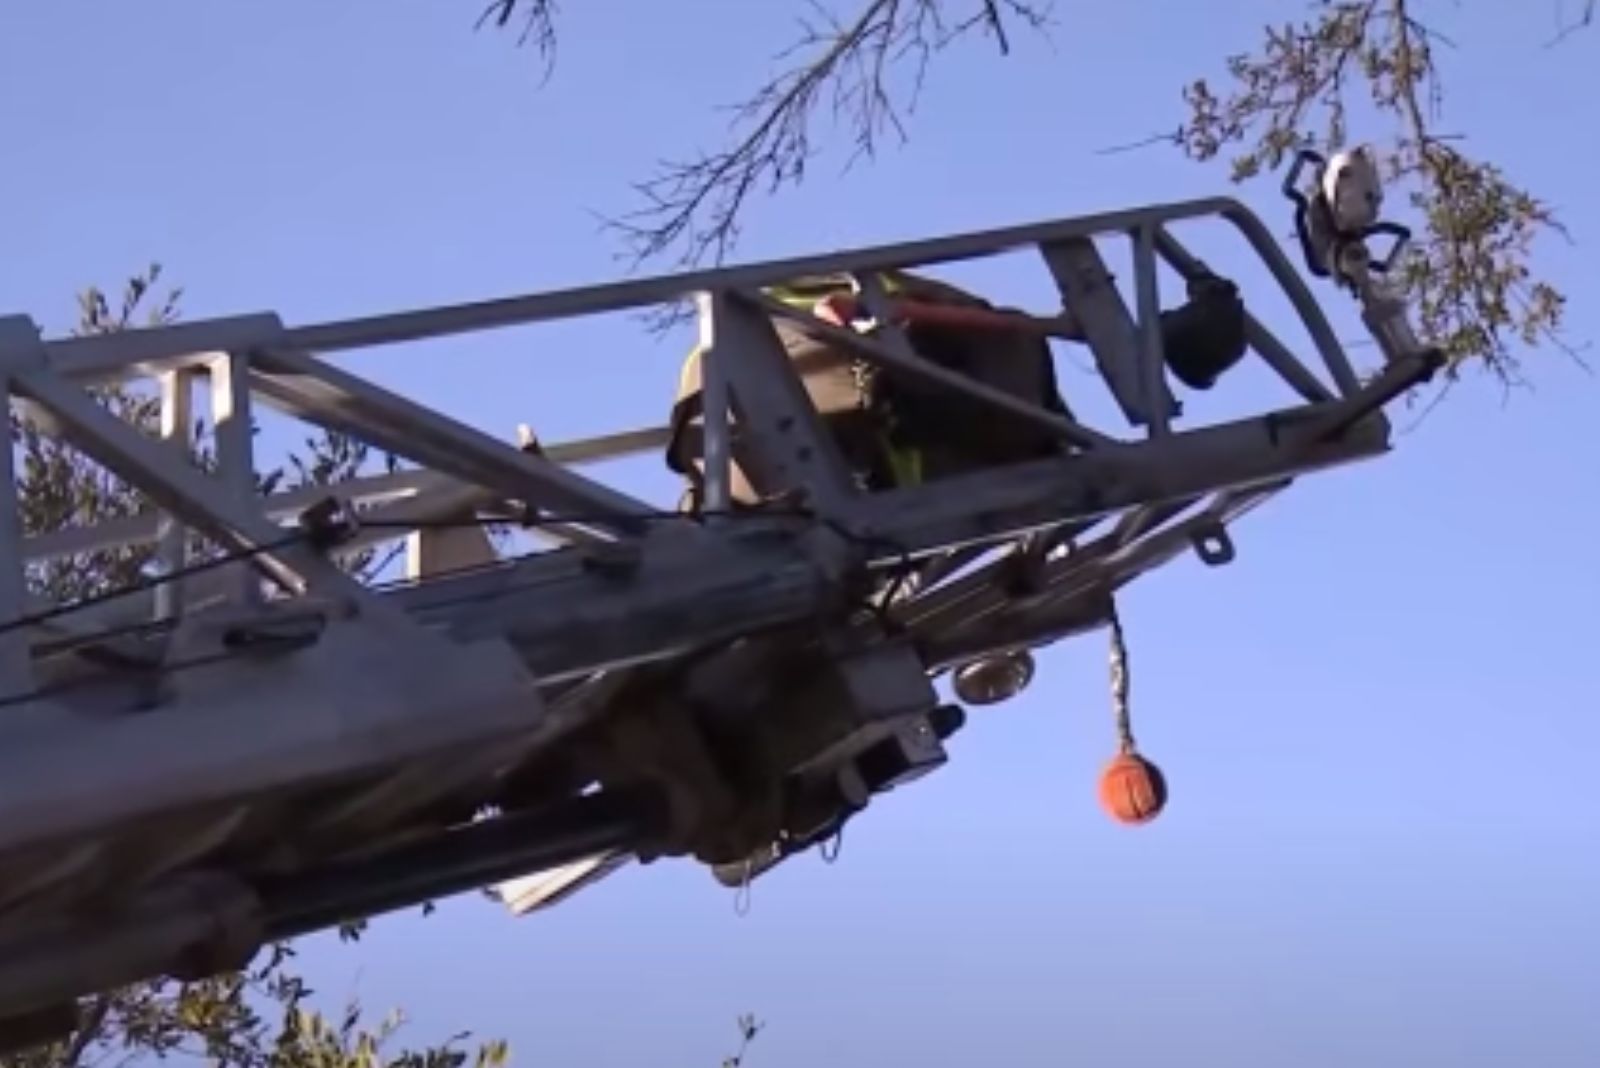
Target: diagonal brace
column 926, row 371
column 1113, row 335
column 320, row 393
column 179, row 488
column 777, row 419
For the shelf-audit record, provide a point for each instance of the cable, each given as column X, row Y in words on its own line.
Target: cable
column 311, row 536
column 146, row 586
column 296, row 537
column 903, row 570
column 903, row 567
column 153, row 671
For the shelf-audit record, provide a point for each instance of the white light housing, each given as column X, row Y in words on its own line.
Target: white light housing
column 1353, row 189
column 994, row 678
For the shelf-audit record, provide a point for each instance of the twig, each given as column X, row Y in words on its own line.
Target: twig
column 538, row 25
column 849, row 73
column 1584, row 20
column 1469, row 271
column 87, row 1032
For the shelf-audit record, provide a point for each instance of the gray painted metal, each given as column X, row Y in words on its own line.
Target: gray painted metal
column 1089, row 290
column 789, row 447
column 289, row 745
column 912, row 366
column 318, row 392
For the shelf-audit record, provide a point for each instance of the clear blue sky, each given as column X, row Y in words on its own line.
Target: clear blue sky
column 1380, row 723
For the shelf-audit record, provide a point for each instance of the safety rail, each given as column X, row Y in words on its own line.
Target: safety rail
column 284, row 769
column 1127, row 347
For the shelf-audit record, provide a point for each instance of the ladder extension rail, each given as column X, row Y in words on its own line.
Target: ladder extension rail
column 188, row 348
column 155, row 750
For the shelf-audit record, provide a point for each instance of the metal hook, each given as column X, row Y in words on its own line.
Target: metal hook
column 836, row 842
column 741, row 897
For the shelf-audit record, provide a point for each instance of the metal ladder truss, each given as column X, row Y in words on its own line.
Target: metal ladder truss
column 269, row 748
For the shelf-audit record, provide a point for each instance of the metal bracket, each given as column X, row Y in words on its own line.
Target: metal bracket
column 1213, row 545
column 1091, row 294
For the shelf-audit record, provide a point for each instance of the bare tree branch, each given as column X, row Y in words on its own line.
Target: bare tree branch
column 538, row 24
column 749, row 1028
column 1568, row 27
column 1470, row 270
column 849, row 70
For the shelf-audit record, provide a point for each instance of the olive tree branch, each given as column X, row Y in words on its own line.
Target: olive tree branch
column 847, row 70
column 1470, row 271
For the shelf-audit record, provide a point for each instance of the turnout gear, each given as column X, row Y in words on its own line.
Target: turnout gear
column 895, row 432
column 899, row 432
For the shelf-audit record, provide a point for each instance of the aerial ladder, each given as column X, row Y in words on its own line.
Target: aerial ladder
column 254, row 745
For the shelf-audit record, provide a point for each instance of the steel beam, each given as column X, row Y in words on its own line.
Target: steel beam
column 157, row 349
column 239, row 725
column 172, row 537
column 322, row 394
column 181, row 489
column 697, row 593
column 981, row 613
column 489, row 851
column 201, row 926
column 150, row 350
column 568, row 621
column 321, row 721
column 1159, row 405
column 926, row 371
column 984, row 507
column 233, row 427
column 1113, row 334
column 16, row 666
column 406, row 485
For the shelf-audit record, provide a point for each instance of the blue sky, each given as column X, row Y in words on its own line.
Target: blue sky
column 1379, row 724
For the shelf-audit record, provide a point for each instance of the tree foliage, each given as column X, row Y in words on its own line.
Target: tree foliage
column 257, row 1018
column 1471, row 272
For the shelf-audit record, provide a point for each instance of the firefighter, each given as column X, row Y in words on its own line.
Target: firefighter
column 895, row 433
column 891, row 432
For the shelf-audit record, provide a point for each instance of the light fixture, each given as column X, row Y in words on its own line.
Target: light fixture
column 993, row 679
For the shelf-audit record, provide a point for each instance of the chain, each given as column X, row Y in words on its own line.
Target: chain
column 1120, row 679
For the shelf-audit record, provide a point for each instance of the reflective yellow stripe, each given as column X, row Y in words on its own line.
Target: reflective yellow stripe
column 907, row 466
column 690, row 362
column 803, row 293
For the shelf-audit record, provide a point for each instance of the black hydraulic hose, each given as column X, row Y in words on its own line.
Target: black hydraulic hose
column 472, row 856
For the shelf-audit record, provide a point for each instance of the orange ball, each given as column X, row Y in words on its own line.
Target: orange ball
column 1132, row 789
